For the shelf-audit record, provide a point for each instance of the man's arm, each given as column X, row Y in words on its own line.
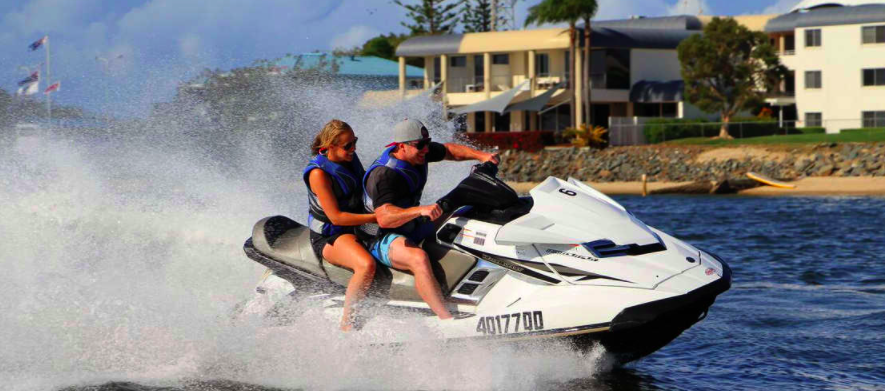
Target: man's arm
column 391, row 216
column 462, row 152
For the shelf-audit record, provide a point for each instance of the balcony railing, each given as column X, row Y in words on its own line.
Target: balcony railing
column 546, row 81
column 789, row 52
column 475, row 84
column 464, row 84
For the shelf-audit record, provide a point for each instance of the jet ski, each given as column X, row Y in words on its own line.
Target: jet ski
column 566, row 263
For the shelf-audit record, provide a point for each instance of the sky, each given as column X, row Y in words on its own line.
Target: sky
column 119, row 56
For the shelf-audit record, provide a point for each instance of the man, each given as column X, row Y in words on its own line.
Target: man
column 393, row 187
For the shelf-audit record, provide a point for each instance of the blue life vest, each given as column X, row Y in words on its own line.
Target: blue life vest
column 415, row 177
column 346, row 187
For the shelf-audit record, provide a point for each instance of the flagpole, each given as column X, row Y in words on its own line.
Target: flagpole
column 48, row 83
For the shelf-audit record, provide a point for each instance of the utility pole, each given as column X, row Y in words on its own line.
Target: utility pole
column 48, row 83
column 494, row 15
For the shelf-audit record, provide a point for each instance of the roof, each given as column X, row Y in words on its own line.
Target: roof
column 809, row 4
column 350, row 65
column 869, row 13
column 493, row 41
column 643, row 38
column 645, row 91
column 680, row 22
column 517, row 41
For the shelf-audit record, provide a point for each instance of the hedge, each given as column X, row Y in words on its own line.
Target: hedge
column 527, row 141
column 812, row 130
column 663, row 129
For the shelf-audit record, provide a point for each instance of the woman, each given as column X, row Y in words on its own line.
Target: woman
column 334, row 184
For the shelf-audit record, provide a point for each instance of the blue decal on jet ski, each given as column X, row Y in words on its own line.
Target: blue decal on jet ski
column 500, row 324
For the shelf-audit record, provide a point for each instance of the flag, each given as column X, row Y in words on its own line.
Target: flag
column 30, row 79
column 36, row 45
column 53, row 88
column 30, row 89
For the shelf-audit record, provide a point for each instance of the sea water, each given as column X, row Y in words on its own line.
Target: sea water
column 122, row 263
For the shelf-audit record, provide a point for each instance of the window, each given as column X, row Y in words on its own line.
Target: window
column 812, row 38
column 873, row 34
column 813, row 79
column 500, row 59
column 874, row 77
column 437, row 70
column 874, row 119
column 542, row 64
column 458, row 61
column 813, row 119
column 790, row 43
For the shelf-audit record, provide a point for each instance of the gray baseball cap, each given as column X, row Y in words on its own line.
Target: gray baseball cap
column 409, row 130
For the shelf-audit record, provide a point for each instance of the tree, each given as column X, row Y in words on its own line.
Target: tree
column 379, row 46
column 477, row 16
column 728, row 69
column 558, row 11
column 587, row 11
column 431, row 17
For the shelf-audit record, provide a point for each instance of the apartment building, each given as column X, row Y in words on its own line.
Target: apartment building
column 835, row 51
column 520, row 80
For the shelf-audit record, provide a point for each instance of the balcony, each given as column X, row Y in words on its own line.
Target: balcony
column 475, row 84
column 781, row 98
column 546, row 81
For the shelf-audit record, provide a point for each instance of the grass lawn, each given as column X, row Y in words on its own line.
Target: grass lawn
column 844, row 137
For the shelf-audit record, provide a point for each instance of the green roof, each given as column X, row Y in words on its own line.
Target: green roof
column 350, row 65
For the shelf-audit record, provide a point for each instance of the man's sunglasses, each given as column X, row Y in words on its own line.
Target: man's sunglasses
column 350, row 144
column 420, row 144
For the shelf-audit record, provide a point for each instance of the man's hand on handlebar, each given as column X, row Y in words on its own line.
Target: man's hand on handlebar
column 490, row 157
column 431, row 212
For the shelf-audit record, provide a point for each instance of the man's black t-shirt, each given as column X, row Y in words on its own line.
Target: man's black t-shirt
column 386, row 186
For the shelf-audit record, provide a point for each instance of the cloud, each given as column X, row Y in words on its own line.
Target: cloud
column 690, row 7
column 356, row 36
column 781, row 7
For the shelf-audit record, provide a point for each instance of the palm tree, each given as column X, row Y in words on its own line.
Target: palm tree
column 588, row 10
column 558, row 11
column 570, row 11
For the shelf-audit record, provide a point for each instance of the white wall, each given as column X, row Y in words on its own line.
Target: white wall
column 840, row 58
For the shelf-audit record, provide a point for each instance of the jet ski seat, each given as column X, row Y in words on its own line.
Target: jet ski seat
column 283, row 244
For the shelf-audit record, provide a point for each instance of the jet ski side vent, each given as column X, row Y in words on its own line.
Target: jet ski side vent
column 607, row 249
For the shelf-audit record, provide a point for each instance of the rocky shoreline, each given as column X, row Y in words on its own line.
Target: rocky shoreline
column 665, row 163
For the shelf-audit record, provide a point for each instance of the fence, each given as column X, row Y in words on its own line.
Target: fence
column 645, row 130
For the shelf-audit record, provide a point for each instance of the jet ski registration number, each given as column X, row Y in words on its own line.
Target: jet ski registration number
column 511, row 323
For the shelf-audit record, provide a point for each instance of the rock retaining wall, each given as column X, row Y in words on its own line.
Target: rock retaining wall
column 694, row 163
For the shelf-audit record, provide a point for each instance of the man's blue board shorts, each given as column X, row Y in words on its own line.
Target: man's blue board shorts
column 380, row 248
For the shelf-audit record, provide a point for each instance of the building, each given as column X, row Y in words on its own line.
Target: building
column 835, row 51
column 519, row 80
column 373, row 73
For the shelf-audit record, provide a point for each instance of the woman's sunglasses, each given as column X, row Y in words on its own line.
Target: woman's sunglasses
column 350, row 144
column 420, row 144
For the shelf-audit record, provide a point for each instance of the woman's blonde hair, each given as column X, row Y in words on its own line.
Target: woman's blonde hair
column 329, row 134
